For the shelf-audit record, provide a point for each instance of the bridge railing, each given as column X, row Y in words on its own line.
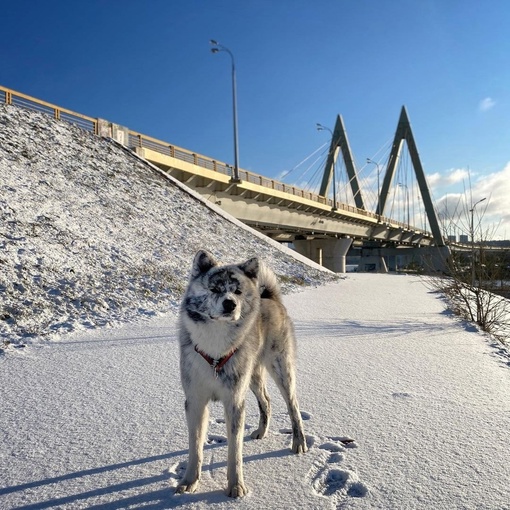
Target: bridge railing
column 8, row 96
column 136, row 139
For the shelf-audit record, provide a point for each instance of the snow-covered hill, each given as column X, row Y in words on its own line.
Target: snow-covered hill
column 90, row 235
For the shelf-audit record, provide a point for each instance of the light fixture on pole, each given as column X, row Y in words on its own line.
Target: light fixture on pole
column 217, row 47
column 320, row 127
column 369, row 161
column 407, row 199
column 472, row 211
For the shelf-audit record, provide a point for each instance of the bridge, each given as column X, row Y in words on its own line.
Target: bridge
column 318, row 225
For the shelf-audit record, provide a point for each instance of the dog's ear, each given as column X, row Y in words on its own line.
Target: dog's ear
column 202, row 263
column 250, row 268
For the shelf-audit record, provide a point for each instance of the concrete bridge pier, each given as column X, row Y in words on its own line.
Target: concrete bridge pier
column 381, row 259
column 372, row 261
column 330, row 253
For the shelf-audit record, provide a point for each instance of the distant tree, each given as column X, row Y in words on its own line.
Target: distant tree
column 477, row 279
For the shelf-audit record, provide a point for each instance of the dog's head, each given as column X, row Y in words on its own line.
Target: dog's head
column 222, row 293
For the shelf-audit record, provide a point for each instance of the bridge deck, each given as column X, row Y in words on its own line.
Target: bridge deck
column 281, row 211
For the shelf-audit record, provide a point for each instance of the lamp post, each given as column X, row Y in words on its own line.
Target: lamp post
column 472, row 226
column 320, row 127
column 407, row 199
column 217, row 47
column 369, row 161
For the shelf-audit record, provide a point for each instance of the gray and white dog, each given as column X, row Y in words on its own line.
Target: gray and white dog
column 234, row 327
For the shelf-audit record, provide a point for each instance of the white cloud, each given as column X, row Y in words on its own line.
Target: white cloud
column 486, row 104
column 496, row 188
column 493, row 212
column 457, row 175
column 434, row 180
column 449, row 178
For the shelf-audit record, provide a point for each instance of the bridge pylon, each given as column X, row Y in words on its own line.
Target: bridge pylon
column 339, row 141
column 404, row 132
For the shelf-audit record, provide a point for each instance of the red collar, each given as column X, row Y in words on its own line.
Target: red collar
column 216, row 364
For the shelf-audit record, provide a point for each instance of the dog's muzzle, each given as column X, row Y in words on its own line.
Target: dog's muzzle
column 230, row 311
column 229, row 305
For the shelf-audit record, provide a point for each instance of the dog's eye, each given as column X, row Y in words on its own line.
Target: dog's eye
column 238, row 292
column 215, row 290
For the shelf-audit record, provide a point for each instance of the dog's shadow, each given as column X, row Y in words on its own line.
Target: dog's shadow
column 154, row 500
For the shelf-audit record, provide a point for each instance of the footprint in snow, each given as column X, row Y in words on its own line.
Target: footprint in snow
column 402, row 395
column 216, row 439
column 329, row 478
column 305, row 416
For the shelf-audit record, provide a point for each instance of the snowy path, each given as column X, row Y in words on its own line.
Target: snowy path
column 97, row 421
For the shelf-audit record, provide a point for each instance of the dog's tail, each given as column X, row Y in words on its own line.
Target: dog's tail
column 268, row 283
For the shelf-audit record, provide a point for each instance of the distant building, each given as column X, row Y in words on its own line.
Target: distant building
column 453, row 238
column 463, row 238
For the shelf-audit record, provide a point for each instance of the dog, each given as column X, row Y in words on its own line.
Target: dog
column 233, row 327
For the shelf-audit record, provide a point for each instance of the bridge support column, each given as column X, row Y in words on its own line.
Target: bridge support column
column 435, row 258
column 380, row 260
column 372, row 261
column 329, row 253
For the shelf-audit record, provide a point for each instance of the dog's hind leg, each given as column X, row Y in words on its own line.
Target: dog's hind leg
column 234, row 418
column 197, row 416
column 258, row 386
column 282, row 371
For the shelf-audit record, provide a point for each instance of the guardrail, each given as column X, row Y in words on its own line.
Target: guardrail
column 11, row 97
column 144, row 141
column 31, row 103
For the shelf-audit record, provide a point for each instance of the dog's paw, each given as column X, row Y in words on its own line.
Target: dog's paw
column 258, row 434
column 238, row 490
column 299, row 444
column 299, row 447
column 185, row 487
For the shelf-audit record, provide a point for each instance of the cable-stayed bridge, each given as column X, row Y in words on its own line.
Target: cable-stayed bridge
column 385, row 216
column 314, row 218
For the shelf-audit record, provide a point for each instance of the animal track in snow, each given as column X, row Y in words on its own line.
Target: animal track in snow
column 216, row 439
column 347, row 442
column 329, row 478
column 401, row 394
column 305, row 416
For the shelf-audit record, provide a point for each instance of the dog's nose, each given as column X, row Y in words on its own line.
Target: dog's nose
column 229, row 305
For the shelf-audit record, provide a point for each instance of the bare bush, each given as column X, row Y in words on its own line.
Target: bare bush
column 477, row 280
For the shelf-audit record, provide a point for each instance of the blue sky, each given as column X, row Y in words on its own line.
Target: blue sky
column 147, row 65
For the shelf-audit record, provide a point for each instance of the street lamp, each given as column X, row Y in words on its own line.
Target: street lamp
column 217, row 47
column 369, row 161
column 320, row 127
column 407, row 198
column 472, row 211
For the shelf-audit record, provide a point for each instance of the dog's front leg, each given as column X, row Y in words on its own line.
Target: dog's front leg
column 234, row 418
column 197, row 416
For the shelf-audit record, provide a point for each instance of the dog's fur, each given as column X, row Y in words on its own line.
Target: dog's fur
column 227, row 308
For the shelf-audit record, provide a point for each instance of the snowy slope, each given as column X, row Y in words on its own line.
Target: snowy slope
column 96, row 420
column 90, row 235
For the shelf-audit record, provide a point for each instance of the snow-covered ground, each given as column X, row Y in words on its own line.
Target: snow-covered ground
column 96, row 419
column 91, row 236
